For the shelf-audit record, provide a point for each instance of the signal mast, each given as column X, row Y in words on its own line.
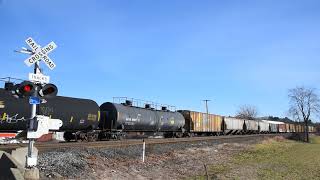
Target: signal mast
column 37, row 88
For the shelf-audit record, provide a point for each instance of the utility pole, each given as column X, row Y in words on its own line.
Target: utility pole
column 207, row 110
column 206, row 101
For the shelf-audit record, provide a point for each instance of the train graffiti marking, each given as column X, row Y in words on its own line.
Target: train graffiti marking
column 11, row 119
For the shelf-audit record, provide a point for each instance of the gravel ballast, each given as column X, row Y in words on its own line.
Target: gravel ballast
column 163, row 161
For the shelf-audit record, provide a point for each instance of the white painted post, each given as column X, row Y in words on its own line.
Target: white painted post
column 143, row 150
column 31, row 158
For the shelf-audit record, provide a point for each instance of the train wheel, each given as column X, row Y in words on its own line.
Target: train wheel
column 68, row 136
column 89, row 137
column 179, row 135
column 119, row 137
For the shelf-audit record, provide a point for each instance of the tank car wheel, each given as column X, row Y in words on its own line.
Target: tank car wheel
column 92, row 137
column 68, row 136
column 179, row 135
column 187, row 134
column 119, row 137
column 95, row 137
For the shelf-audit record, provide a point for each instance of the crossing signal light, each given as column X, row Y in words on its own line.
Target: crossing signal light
column 26, row 88
column 48, row 90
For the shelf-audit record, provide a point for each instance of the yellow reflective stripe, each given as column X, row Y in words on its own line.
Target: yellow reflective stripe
column 71, row 119
column 98, row 116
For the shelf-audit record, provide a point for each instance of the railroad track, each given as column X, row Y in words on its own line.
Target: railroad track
column 43, row 147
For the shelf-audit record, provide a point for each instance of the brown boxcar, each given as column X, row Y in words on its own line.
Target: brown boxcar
column 198, row 122
column 292, row 128
column 299, row 128
column 311, row 129
column 282, row 128
column 287, row 127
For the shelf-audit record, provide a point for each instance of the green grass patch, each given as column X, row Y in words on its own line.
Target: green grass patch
column 315, row 140
column 284, row 160
column 274, row 160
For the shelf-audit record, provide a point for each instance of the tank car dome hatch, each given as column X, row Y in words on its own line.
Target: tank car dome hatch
column 147, row 106
column 128, row 103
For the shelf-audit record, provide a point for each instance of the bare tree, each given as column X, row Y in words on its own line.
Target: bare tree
column 304, row 102
column 247, row 112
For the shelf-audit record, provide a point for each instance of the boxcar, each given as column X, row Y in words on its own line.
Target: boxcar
column 292, row 128
column 287, row 127
column 201, row 123
column 282, row 127
column 299, row 128
column 311, row 129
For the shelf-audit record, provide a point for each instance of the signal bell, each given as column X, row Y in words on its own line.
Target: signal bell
column 48, row 90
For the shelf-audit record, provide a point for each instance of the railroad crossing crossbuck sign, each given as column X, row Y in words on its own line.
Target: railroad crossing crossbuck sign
column 40, row 53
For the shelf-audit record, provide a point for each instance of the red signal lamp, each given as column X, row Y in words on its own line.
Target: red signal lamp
column 26, row 88
column 48, row 90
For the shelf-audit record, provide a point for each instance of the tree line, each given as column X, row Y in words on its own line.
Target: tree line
column 304, row 104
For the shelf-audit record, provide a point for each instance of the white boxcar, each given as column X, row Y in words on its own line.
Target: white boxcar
column 233, row 123
column 264, row 126
column 252, row 125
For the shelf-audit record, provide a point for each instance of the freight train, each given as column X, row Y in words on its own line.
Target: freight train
column 84, row 119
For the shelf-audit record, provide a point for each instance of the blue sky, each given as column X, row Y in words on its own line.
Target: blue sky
column 177, row 52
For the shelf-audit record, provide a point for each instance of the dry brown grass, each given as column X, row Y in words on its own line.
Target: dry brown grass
column 275, row 158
